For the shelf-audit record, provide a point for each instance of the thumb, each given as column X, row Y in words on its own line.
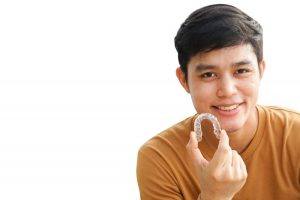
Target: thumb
column 224, row 140
column 194, row 151
column 224, row 151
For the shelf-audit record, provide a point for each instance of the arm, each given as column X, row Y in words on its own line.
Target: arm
column 155, row 179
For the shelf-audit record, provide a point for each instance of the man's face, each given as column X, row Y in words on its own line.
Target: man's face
column 225, row 83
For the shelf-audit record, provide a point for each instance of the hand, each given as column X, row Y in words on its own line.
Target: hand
column 224, row 175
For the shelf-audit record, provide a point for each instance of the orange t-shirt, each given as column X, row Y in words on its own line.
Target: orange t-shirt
column 164, row 170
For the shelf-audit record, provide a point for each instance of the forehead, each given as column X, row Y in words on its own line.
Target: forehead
column 224, row 57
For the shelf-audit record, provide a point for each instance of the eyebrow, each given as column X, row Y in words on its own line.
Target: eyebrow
column 202, row 67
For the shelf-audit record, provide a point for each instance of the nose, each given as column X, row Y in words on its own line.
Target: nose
column 227, row 86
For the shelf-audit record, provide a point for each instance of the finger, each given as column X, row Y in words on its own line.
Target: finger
column 238, row 166
column 235, row 160
column 224, row 139
column 223, row 155
column 243, row 166
column 194, row 151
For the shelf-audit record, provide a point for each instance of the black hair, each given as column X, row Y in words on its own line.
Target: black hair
column 214, row 27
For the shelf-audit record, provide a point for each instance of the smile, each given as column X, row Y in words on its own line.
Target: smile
column 227, row 108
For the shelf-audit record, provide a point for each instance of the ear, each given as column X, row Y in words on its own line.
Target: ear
column 262, row 66
column 181, row 77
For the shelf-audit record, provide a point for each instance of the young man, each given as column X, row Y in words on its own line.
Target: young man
column 258, row 155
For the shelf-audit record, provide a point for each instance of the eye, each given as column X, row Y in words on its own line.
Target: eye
column 242, row 71
column 208, row 75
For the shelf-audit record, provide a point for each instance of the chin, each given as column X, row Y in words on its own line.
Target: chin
column 231, row 130
column 231, row 127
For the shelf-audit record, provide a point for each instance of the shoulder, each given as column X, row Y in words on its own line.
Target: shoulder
column 160, row 157
column 282, row 115
column 284, row 124
column 175, row 136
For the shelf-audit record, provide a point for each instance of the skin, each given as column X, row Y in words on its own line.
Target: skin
column 224, row 77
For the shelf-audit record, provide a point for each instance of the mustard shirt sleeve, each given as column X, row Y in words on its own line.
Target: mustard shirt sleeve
column 155, row 179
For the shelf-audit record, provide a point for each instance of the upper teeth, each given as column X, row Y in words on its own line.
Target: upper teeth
column 228, row 107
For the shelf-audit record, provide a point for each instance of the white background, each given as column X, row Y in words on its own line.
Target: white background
column 83, row 84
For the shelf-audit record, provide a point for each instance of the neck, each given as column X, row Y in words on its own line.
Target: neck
column 239, row 140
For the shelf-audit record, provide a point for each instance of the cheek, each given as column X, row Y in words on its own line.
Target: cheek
column 250, row 88
column 203, row 93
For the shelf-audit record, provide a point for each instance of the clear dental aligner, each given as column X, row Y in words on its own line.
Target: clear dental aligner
column 214, row 121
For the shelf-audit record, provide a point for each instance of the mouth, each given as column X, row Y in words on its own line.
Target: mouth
column 227, row 107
